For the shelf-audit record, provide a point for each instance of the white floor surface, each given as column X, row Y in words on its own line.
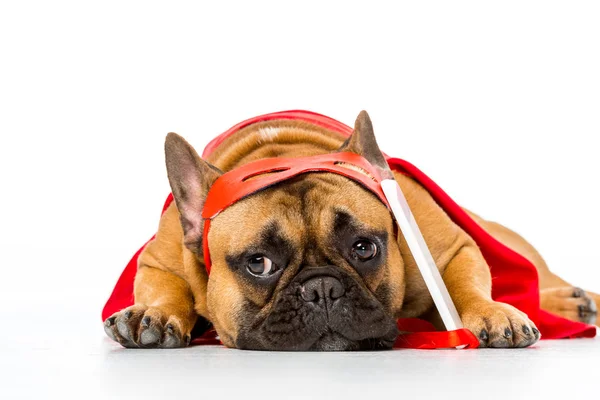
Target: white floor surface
column 70, row 361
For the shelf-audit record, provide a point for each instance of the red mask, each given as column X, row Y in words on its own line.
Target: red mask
column 235, row 185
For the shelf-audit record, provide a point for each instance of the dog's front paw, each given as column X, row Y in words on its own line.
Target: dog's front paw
column 147, row 327
column 500, row 325
column 571, row 303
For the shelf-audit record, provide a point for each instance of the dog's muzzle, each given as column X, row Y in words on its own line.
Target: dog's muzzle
column 326, row 309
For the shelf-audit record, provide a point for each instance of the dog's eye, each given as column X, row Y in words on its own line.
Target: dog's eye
column 260, row 266
column 364, row 250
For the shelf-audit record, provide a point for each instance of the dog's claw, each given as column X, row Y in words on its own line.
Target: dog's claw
column 108, row 328
column 483, row 335
column 526, row 330
column 124, row 331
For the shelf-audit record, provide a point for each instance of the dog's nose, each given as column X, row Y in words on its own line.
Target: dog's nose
column 321, row 287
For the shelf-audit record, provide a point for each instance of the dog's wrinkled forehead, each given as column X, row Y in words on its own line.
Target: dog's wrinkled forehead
column 303, row 214
column 328, row 202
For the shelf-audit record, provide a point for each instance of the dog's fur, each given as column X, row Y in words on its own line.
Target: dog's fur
column 307, row 226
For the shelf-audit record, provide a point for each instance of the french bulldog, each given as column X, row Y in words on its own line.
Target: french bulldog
column 313, row 263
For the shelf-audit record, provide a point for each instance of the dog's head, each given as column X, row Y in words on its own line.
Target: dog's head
column 309, row 264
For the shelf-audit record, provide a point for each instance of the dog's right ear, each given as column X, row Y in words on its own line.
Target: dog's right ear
column 362, row 142
column 190, row 178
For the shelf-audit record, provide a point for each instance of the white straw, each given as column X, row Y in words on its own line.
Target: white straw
column 421, row 254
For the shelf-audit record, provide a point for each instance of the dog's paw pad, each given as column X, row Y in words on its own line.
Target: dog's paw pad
column 127, row 324
column 150, row 332
column 172, row 337
column 171, row 341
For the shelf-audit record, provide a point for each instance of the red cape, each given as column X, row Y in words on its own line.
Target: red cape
column 514, row 278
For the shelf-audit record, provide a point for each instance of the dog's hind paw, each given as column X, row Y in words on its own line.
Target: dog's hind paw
column 500, row 325
column 147, row 327
column 569, row 302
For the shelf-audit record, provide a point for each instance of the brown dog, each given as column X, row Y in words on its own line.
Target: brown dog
column 312, row 263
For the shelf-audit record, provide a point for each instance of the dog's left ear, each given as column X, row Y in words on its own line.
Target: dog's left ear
column 190, row 178
column 362, row 142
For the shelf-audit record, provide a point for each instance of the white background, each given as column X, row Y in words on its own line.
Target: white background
column 497, row 101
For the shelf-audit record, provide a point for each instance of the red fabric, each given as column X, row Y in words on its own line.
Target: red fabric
column 422, row 335
column 514, row 278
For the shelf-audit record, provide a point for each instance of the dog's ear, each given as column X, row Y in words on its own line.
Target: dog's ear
column 362, row 142
column 190, row 178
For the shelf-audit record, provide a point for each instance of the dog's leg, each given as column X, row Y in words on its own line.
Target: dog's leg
column 556, row 295
column 466, row 275
column 163, row 315
column 468, row 279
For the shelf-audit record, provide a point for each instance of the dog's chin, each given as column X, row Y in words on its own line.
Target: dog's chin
column 329, row 341
column 333, row 341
